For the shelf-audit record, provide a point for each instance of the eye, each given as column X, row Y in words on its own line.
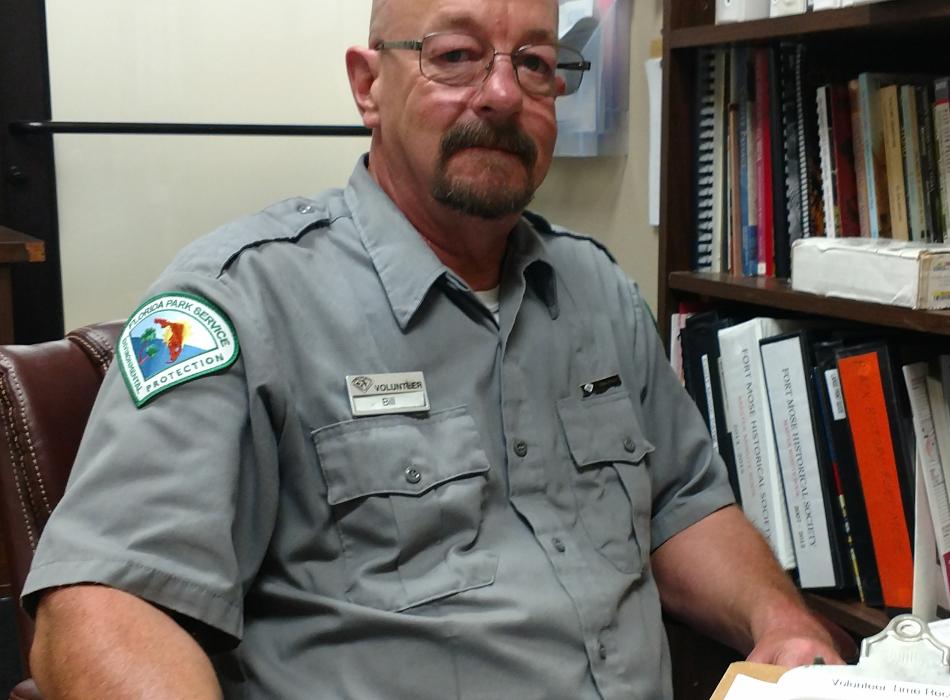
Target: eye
column 456, row 56
column 538, row 61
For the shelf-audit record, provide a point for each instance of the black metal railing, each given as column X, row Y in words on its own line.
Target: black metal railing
column 154, row 128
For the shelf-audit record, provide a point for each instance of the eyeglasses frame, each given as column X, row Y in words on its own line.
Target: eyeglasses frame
column 416, row 45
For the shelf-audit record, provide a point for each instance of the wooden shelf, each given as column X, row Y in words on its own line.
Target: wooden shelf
column 778, row 294
column 857, row 618
column 929, row 15
column 16, row 247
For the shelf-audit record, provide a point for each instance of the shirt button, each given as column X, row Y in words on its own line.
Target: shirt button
column 521, row 448
column 413, row 476
column 558, row 544
column 629, row 445
column 304, row 208
column 602, row 652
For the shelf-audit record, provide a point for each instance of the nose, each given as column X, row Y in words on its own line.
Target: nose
column 500, row 95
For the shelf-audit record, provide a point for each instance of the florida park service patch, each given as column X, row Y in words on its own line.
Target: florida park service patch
column 172, row 339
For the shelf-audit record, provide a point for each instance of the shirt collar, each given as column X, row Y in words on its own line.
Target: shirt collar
column 408, row 268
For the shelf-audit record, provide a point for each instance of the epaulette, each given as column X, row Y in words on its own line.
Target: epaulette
column 287, row 221
column 543, row 226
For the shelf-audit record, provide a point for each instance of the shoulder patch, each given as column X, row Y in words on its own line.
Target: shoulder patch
column 172, row 339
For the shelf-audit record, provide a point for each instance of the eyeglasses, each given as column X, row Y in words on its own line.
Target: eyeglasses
column 543, row 70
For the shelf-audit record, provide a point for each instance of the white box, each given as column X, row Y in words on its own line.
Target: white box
column 781, row 8
column 901, row 273
column 740, row 10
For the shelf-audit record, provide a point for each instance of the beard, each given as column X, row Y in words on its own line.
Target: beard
column 497, row 198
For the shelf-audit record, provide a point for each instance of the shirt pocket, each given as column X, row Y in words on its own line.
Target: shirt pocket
column 408, row 495
column 611, row 481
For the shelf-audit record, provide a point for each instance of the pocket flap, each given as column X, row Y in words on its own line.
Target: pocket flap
column 603, row 429
column 398, row 454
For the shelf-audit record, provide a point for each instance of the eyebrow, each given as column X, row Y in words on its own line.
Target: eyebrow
column 465, row 23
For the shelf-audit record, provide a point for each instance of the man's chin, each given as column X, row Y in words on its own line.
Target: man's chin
column 484, row 203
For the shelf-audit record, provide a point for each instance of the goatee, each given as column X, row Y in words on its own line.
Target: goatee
column 486, row 202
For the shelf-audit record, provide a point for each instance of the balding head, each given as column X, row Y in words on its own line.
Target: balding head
column 378, row 19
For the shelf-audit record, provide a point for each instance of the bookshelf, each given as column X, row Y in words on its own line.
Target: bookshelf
column 896, row 35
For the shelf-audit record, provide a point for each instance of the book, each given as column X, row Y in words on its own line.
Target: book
column 745, row 98
column 720, row 203
column 702, row 373
column 750, row 427
column 705, row 171
column 941, row 125
column 868, row 385
column 901, row 273
column 860, row 174
column 823, row 109
column 872, row 136
column 929, row 460
column 792, row 154
column 913, row 173
column 786, row 366
column 850, row 495
column 778, row 248
column 842, row 152
column 933, row 211
column 763, row 163
column 894, row 161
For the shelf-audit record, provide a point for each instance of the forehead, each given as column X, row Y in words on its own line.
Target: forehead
column 517, row 19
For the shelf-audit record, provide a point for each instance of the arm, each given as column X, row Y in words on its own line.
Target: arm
column 720, row 576
column 99, row 642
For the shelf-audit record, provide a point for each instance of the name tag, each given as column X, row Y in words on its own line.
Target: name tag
column 600, row 386
column 378, row 394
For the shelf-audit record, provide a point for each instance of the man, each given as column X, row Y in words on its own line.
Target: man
column 363, row 476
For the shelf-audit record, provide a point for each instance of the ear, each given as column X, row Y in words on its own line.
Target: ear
column 362, row 67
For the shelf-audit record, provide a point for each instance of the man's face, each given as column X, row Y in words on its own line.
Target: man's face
column 481, row 149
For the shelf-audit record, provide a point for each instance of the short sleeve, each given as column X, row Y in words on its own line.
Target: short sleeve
column 172, row 501
column 689, row 478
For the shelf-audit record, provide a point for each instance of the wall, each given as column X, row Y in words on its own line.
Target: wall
column 128, row 203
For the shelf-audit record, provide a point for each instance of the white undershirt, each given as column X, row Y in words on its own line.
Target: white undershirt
column 489, row 297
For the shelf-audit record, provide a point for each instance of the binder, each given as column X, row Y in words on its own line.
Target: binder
column 870, row 393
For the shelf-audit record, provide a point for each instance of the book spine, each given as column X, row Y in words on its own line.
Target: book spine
column 928, row 164
column 876, row 458
column 842, row 146
column 827, row 176
column 720, row 160
column 913, row 176
column 791, row 130
column 763, row 155
column 874, row 162
column 842, row 451
column 860, row 172
column 750, row 425
column 779, row 258
column 928, row 457
column 894, row 161
column 735, row 194
column 852, row 574
column 787, row 389
column 705, row 162
column 941, row 117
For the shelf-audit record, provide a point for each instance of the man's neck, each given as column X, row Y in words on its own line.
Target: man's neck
column 470, row 246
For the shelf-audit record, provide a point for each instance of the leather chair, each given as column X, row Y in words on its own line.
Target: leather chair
column 46, row 394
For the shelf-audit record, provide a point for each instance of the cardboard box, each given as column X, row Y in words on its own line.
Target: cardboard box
column 764, row 672
column 901, row 273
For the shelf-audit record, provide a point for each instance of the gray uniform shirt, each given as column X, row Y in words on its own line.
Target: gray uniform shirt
column 494, row 546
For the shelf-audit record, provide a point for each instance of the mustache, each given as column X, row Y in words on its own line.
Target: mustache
column 504, row 137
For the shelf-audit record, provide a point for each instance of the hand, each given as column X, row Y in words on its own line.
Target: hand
column 797, row 643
